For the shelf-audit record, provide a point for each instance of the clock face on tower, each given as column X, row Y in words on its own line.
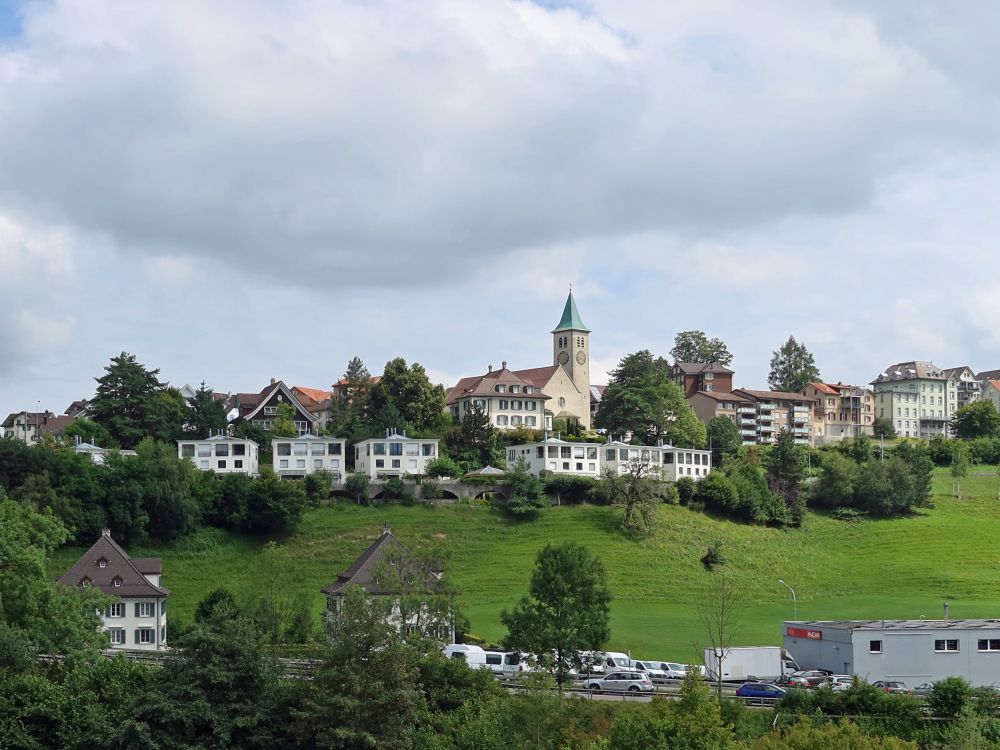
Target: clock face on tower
column 581, row 358
column 564, row 358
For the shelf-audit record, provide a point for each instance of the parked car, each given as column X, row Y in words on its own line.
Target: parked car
column 651, row 669
column 632, row 682
column 792, row 681
column 838, row 682
column 675, row 671
column 759, row 692
column 924, row 689
column 892, row 686
column 813, row 677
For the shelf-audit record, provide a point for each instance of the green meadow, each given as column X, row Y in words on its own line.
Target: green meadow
column 902, row 568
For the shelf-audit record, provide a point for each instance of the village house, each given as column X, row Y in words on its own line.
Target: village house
column 137, row 618
column 222, row 454
column 307, row 454
column 394, row 455
column 261, row 409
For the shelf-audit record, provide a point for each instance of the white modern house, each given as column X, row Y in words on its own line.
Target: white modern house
column 97, row 454
column 664, row 461
column 222, row 454
column 137, row 619
column 394, row 455
column 307, row 454
column 558, row 456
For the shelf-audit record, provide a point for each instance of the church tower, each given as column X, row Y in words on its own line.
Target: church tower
column 571, row 349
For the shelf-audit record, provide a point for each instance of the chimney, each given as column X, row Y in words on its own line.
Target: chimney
column 272, row 381
column 489, row 368
column 106, row 533
column 503, row 365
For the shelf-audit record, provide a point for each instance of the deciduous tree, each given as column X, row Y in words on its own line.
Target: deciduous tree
column 406, row 399
column 695, row 346
column 882, row 427
column 792, row 367
column 565, row 611
column 978, row 419
column 723, row 438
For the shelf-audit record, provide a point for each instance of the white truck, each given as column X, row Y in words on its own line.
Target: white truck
column 744, row 663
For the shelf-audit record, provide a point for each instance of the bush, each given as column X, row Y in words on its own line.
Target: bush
column 429, row 490
column 442, row 466
column 939, row 450
column 848, row 515
column 358, row 486
column 949, row 697
column 569, row 489
column 713, row 556
column 685, row 489
column 393, row 489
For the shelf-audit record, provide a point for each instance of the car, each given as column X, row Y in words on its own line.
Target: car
column 792, row 681
column 760, row 692
column 651, row 669
column 813, row 677
column 924, row 689
column 632, row 682
column 892, row 686
column 838, row 682
column 675, row 671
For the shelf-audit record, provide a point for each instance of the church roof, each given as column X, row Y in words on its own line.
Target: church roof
column 570, row 320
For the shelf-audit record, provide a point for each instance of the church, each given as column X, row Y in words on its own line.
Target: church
column 534, row 397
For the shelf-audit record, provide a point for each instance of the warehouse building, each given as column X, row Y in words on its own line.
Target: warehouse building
column 910, row 651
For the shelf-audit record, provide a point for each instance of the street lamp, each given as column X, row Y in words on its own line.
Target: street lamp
column 795, row 600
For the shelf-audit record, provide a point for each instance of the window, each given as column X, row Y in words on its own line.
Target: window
column 591, row 454
column 668, row 458
column 553, row 451
column 395, row 463
column 102, row 563
column 577, row 452
column 115, row 610
column 515, row 389
column 395, row 449
column 950, row 644
column 501, row 388
column 116, row 582
column 515, row 405
column 317, row 449
column 284, row 449
column 117, row 636
column 992, row 644
column 579, row 465
column 238, row 463
column 203, row 465
column 530, row 405
column 144, row 635
column 221, row 464
column 334, row 449
column 529, row 389
column 145, row 609
column 204, row 450
column 222, row 449
column 378, row 449
column 591, row 467
column 501, row 419
column 187, row 451
column 531, row 421
column 300, row 463
column 427, row 449
column 239, row 449
column 504, row 403
column 874, row 647
column 301, row 449
column 609, row 455
column 411, row 463
column 317, row 463
column 379, row 463
column 565, row 451
column 270, row 409
column 283, row 464
column 413, row 449
column 562, row 402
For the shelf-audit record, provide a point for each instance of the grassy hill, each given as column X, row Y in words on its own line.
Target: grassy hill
column 873, row 569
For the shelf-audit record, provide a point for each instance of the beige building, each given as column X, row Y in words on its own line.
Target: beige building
column 841, row 411
column 564, row 385
column 918, row 397
column 967, row 385
column 759, row 415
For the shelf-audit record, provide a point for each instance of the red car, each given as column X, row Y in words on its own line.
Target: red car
column 890, row 686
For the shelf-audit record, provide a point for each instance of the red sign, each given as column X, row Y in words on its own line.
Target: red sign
column 815, row 635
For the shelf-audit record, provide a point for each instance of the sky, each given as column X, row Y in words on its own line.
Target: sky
column 237, row 190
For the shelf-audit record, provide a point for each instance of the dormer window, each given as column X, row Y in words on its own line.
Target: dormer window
column 84, row 582
column 116, row 582
column 515, row 389
column 528, row 389
column 501, row 388
column 102, row 563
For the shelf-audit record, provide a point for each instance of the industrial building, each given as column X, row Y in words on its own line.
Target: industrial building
column 910, row 651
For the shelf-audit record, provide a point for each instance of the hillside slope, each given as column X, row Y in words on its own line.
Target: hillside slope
column 873, row 569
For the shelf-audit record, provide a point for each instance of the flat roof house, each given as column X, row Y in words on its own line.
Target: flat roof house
column 394, row 455
column 910, row 651
column 558, row 456
column 222, row 454
column 306, row 454
column 137, row 619
column 666, row 461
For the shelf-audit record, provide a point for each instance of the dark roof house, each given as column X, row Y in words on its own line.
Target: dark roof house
column 369, row 570
column 107, row 567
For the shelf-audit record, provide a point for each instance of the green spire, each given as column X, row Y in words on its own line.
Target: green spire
column 570, row 320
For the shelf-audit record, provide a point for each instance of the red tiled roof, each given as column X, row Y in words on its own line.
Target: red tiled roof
column 485, row 385
column 538, row 376
column 825, row 388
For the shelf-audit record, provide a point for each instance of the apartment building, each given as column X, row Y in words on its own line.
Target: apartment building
column 694, row 377
column 840, row 411
column 137, row 618
column 710, row 404
column 918, row 397
column 666, row 462
column 770, row 412
column 558, row 456
column 295, row 457
column 222, row 454
column 394, row 455
column 967, row 386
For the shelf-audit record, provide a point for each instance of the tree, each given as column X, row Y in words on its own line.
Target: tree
column 166, row 415
column 695, row 346
column 643, row 401
column 834, row 488
column 792, row 367
column 786, row 460
column 978, row 419
column 350, row 407
column 719, row 613
column 284, row 422
column 723, row 438
column 125, row 401
column 474, row 442
column 364, row 692
column 565, row 611
column 883, row 428
column 357, row 485
column 637, row 490
column 204, row 415
column 528, row 498
column 959, row 466
column 89, row 431
column 405, row 399
column 274, row 506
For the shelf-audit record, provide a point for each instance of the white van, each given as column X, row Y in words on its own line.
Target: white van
column 474, row 656
column 599, row 662
column 507, row 664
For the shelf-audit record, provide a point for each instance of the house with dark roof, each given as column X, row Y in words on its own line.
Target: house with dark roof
column 410, row 590
column 967, row 386
column 917, row 396
column 261, row 409
column 137, row 618
column 508, row 400
column 564, row 385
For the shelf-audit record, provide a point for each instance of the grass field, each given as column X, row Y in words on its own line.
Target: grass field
column 872, row 569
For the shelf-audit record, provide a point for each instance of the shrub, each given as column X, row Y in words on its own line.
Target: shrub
column 949, row 697
column 358, row 485
column 569, row 489
column 429, row 490
column 713, row 556
column 848, row 515
column 442, row 466
column 685, row 489
column 393, row 489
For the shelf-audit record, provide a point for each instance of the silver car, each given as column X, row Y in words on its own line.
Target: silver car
column 632, row 682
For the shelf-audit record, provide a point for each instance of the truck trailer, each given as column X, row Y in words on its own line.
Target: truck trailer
column 745, row 663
